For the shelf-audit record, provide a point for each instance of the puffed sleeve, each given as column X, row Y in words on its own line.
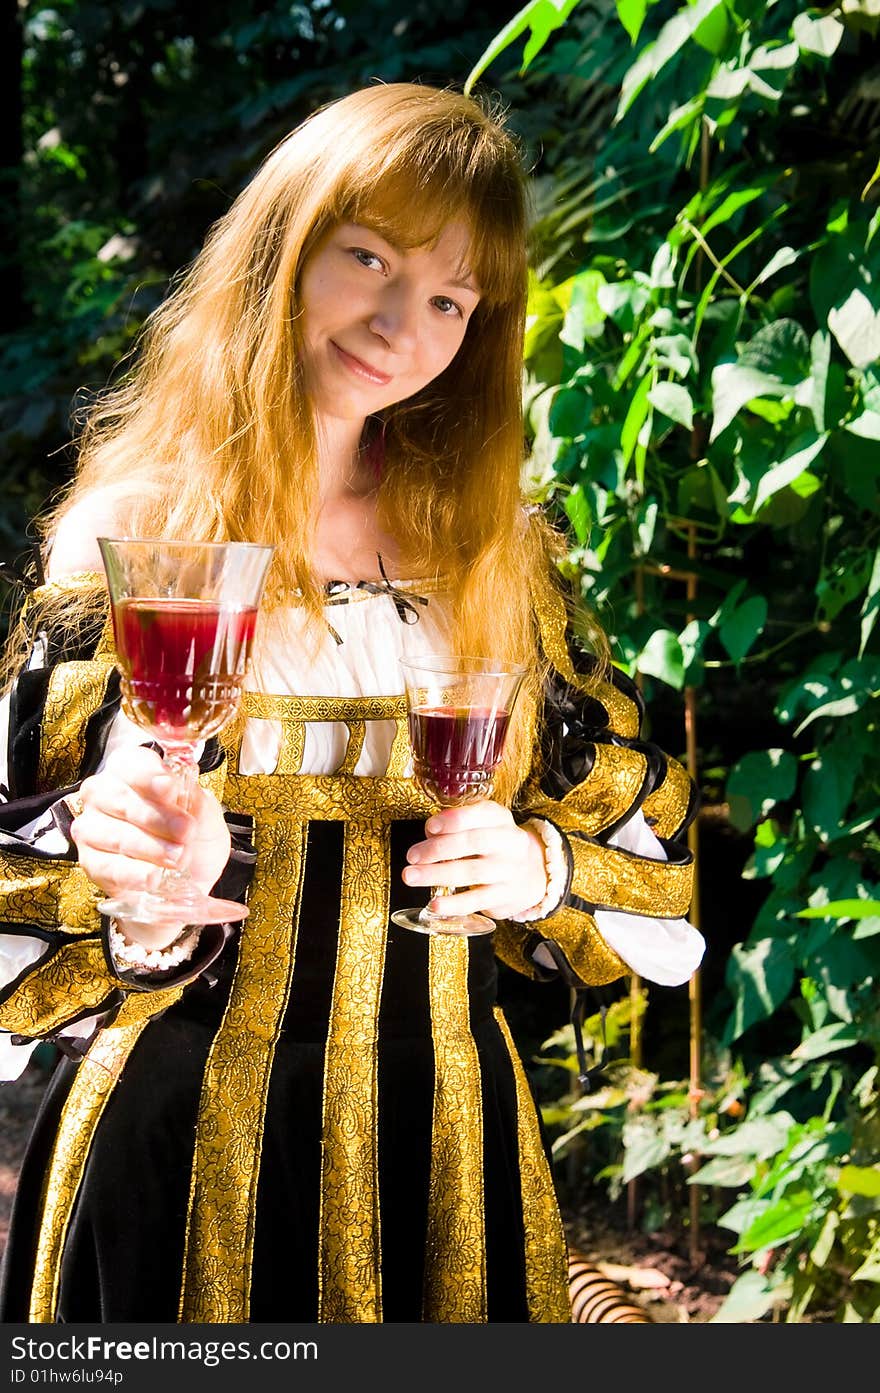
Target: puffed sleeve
column 58, row 978
column 618, row 808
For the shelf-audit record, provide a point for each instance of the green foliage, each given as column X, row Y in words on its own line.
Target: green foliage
column 703, row 399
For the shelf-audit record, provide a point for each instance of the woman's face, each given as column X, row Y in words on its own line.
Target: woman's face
column 380, row 322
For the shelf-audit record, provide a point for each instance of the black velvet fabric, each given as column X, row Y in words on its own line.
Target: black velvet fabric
column 124, row 1250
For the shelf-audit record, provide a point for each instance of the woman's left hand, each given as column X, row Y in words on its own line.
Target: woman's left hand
column 479, row 846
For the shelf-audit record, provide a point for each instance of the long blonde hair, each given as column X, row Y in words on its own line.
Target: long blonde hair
column 211, row 435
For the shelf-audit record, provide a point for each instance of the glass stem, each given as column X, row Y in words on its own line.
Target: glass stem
column 181, row 761
column 428, row 914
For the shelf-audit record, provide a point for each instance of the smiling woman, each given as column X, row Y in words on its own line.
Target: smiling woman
column 316, row 1114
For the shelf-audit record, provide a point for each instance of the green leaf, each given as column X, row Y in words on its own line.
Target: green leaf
column 870, row 1268
column 662, row 657
column 860, row 1180
column 842, row 910
column 632, row 15
column 856, row 326
column 674, row 401
column 828, row 787
column 644, row 1148
column 760, row 978
column 821, row 35
column 540, row 17
column 828, row 1039
column 779, row 1222
column 636, row 417
column 871, row 606
column 798, row 457
column 723, row 1171
column 584, row 317
column 750, row 1298
column 762, row 778
column 739, row 631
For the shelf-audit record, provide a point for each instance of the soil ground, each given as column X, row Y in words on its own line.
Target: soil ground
column 655, row 1270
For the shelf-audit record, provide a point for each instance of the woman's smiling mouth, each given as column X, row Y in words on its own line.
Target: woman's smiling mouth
column 360, row 368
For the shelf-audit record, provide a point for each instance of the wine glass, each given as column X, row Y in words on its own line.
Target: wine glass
column 458, row 711
column 184, row 615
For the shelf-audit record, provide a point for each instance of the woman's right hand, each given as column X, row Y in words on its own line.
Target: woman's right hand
column 138, row 820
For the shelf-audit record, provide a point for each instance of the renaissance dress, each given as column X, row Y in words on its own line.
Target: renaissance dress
column 320, row 1116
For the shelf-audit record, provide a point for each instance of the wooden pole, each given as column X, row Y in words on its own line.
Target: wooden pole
column 695, row 1091
column 635, row 981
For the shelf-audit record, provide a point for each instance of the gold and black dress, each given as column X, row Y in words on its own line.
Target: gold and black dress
column 319, row 1117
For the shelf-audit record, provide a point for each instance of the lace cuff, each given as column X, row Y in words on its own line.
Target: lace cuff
column 128, row 955
column 556, row 866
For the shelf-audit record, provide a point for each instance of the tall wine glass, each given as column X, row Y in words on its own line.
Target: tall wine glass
column 458, row 711
column 183, row 623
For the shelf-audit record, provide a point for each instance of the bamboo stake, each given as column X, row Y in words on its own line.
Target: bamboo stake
column 635, row 981
column 695, row 1091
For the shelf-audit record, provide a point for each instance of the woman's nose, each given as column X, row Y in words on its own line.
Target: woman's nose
column 395, row 320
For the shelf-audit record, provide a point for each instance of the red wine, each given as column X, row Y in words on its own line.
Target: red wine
column 456, row 750
column 183, row 664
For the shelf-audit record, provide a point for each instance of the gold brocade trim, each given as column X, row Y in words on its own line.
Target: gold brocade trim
column 551, row 615
column 357, row 731
column 292, row 747
column 583, row 945
column 401, row 751
column 75, row 692
column 621, row 880
column 140, row 1007
column 48, row 893
column 667, row 806
column 264, row 706
column 546, row 1249
column 623, row 714
column 71, row 980
column 229, row 1131
column 349, row 1274
column 455, row 1247
column 609, row 790
column 95, row 1080
column 327, row 797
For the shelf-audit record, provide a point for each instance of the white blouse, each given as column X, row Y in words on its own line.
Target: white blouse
column 359, row 655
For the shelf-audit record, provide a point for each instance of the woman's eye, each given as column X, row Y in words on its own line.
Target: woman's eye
column 369, row 259
column 446, row 306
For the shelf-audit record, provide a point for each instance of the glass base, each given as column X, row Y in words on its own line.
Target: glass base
column 422, row 921
column 189, row 907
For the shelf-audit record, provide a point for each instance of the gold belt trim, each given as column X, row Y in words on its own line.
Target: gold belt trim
column 264, row 706
column 222, row 1206
column 546, row 1250
column 326, row 797
column 94, row 1082
column 455, row 1256
column 349, row 1280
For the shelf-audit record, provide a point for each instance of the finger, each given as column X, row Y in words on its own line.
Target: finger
column 116, row 875
column 98, row 835
column 476, row 900
column 143, row 770
column 484, row 813
column 455, row 846
column 476, row 870
column 113, row 798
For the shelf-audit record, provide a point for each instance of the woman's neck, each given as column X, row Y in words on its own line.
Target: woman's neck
column 341, row 469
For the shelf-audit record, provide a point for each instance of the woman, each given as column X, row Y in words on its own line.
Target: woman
column 320, row 1116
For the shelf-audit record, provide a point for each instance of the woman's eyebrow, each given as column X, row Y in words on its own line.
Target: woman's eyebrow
column 466, row 281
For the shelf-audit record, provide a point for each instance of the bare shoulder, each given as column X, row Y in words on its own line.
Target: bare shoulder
column 74, row 547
